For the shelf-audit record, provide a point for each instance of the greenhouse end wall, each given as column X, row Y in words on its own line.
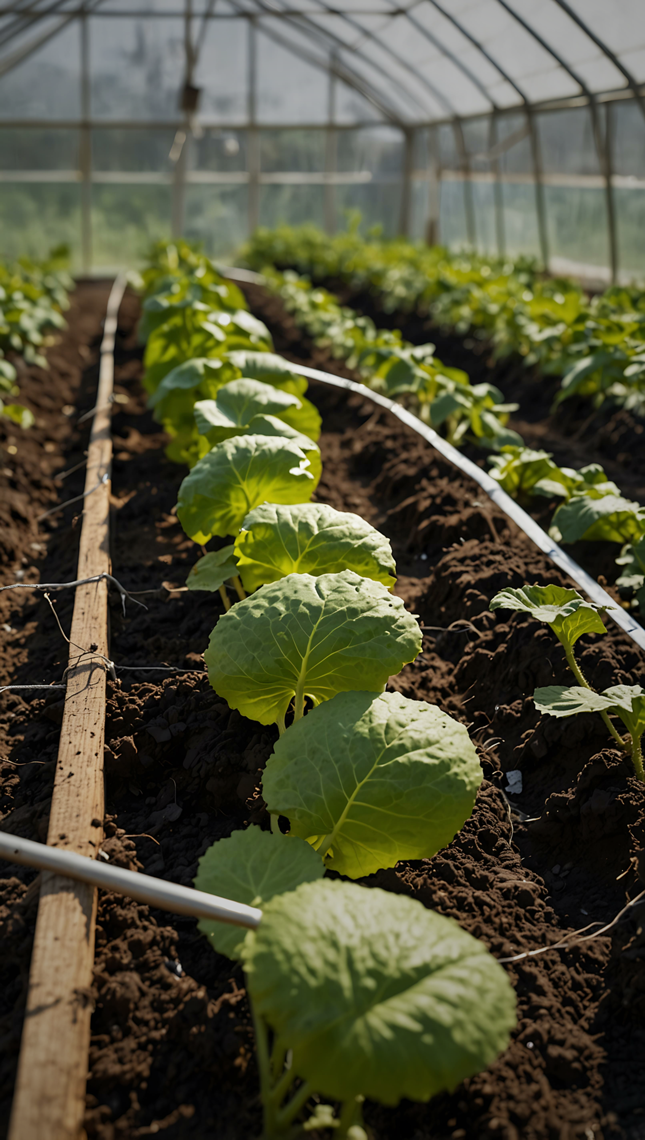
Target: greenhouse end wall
column 89, row 155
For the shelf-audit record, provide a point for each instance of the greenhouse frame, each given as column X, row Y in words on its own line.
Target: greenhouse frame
column 511, row 126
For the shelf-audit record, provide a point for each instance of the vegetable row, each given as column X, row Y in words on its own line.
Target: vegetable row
column 355, row 993
column 33, row 296
column 592, row 507
column 596, row 346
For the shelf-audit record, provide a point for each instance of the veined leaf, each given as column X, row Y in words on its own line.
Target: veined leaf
column 270, row 368
column 310, row 538
column 610, row 518
column 308, row 637
column 369, row 779
column 213, row 570
column 251, row 867
column 237, row 402
column 632, row 556
column 376, row 995
column 188, row 377
column 627, row 701
column 566, row 611
column 236, row 476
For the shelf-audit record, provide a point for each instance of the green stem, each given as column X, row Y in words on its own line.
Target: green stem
column 582, row 680
column 351, row 1113
column 281, row 1087
column 299, row 702
column 288, row 1114
column 637, row 757
column 264, row 1068
column 224, row 596
column 241, row 592
column 280, row 723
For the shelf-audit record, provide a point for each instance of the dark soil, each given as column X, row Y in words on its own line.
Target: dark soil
column 172, row 1046
column 576, row 434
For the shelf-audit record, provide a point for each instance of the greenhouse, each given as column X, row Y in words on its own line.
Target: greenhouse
column 514, row 127
column 322, row 570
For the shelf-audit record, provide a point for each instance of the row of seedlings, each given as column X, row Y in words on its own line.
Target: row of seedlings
column 354, row 992
column 590, row 507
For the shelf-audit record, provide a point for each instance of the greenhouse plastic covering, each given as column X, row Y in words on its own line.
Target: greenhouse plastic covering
column 515, row 126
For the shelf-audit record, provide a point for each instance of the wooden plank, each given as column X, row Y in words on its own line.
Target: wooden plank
column 49, row 1098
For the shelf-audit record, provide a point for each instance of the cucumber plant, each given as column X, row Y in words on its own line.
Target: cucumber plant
column 569, row 616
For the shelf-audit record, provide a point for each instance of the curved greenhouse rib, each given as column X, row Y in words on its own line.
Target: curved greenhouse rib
column 480, row 48
column 631, row 82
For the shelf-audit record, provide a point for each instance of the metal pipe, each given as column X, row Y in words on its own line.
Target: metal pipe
column 331, row 154
column 145, row 889
column 498, row 192
column 540, row 200
column 469, row 203
column 85, row 153
column 252, row 138
column 603, row 150
column 405, row 215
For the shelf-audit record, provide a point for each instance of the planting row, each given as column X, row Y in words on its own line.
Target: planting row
column 33, row 296
column 596, row 346
column 591, row 506
column 354, row 992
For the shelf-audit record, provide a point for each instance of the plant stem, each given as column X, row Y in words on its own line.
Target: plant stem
column 264, row 1068
column 637, row 757
column 350, row 1113
column 241, row 592
column 281, row 725
column 299, row 702
column 284, row 1117
column 582, row 680
column 224, row 596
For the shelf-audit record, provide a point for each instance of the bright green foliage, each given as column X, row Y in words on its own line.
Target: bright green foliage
column 632, row 579
column 308, row 637
column 236, row 476
column 624, row 701
column 270, row 369
column 238, row 402
column 375, row 994
column 608, row 517
column 251, row 867
column 522, row 472
column 310, row 538
column 566, row 611
column 18, row 414
column 213, row 570
column 369, row 779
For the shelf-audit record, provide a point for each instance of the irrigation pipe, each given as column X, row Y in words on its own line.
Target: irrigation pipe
column 143, row 888
column 510, row 508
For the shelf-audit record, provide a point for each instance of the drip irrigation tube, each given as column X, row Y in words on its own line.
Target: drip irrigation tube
column 510, row 508
column 143, row 888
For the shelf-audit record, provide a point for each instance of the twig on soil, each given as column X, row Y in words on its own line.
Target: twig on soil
column 77, row 498
column 46, row 586
column 572, row 939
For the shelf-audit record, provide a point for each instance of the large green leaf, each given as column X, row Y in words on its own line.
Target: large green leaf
column 369, row 779
column 566, row 611
column 237, row 402
column 270, row 368
column 310, row 538
column 251, row 867
column 312, row 637
column 188, row 377
column 213, row 570
column 375, row 994
column 236, row 476
column 627, row 701
column 610, row 518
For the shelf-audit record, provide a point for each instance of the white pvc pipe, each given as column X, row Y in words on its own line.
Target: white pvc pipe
column 494, row 492
column 143, row 888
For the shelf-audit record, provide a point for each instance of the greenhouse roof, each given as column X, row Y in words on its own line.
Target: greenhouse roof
column 423, row 62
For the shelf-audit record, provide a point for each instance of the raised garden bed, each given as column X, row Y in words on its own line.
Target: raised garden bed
column 172, row 1048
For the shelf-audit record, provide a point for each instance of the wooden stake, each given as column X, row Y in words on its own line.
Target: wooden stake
column 49, row 1099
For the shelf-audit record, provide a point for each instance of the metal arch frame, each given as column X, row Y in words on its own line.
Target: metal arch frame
column 602, row 145
column 631, row 82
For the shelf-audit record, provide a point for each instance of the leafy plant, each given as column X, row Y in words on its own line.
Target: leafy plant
column 372, row 778
column 309, row 538
column 591, row 517
column 366, row 993
column 236, row 476
column 570, row 616
column 624, row 701
column 238, row 403
column 213, row 571
column 632, row 579
column 308, row 637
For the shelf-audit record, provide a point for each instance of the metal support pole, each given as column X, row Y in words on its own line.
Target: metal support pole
column 433, row 227
column 540, row 202
column 405, row 216
column 469, row 203
column 253, row 139
column 603, row 149
column 85, row 152
column 498, row 189
column 331, row 155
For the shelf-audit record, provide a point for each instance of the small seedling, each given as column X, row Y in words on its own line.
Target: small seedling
column 570, row 616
